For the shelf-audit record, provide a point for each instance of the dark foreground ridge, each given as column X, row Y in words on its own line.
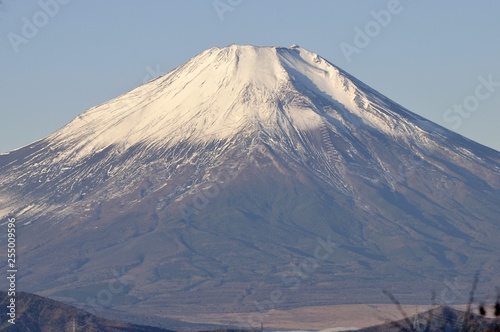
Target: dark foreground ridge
column 40, row 314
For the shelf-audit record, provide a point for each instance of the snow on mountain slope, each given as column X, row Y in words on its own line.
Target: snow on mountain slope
column 272, row 148
column 213, row 96
column 289, row 99
column 222, row 92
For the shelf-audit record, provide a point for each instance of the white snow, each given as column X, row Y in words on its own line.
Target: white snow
column 237, row 97
column 216, row 95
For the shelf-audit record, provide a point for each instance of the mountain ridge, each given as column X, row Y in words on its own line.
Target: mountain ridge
column 78, row 139
column 36, row 313
column 259, row 153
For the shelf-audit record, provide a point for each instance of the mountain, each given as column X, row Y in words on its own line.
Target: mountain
column 247, row 179
column 39, row 314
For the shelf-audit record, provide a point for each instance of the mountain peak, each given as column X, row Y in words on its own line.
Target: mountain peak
column 241, row 91
column 215, row 95
column 202, row 188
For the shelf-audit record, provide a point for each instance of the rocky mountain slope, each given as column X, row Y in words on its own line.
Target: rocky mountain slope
column 250, row 175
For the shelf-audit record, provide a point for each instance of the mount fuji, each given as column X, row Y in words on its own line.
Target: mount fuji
column 250, row 175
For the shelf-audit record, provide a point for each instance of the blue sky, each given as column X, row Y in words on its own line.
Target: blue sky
column 439, row 59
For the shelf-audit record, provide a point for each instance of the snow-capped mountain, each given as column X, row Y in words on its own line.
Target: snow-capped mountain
column 209, row 184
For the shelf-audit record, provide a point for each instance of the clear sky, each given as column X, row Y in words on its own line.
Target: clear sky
column 61, row 57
